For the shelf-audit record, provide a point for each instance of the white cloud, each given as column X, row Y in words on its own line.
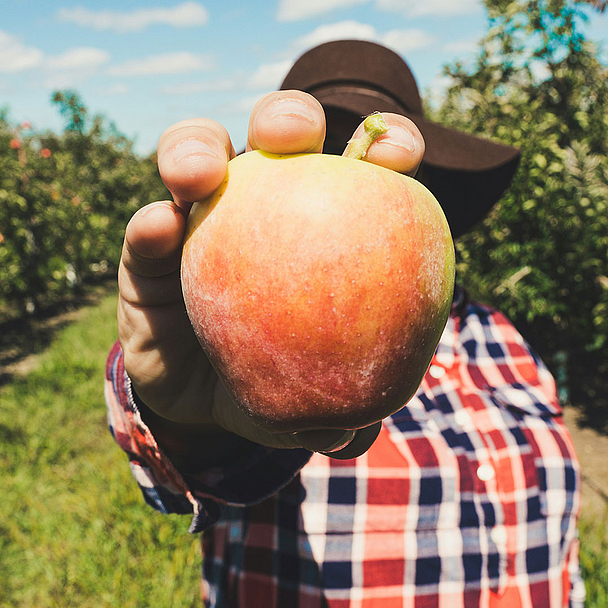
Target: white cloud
column 59, row 80
column 190, row 88
column 187, row 14
column 401, row 41
column 269, row 75
column 78, row 59
column 406, row 41
column 438, row 8
column 294, row 10
column 234, row 114
column 240, row 106
column 336, row 31
column 15, row 56
column 167, row 63
column 72, row 67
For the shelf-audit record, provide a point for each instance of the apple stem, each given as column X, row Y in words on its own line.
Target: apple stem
column 374, row 126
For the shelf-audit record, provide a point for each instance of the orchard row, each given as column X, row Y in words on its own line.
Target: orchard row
column 64, row 202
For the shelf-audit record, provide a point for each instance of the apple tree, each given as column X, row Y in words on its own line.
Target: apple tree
column 542, row 254
column 65, row 200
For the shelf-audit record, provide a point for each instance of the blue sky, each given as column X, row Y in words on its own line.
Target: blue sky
column 146, row 65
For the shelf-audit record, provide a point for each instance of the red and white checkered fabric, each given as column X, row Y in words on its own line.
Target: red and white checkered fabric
column 469, row 497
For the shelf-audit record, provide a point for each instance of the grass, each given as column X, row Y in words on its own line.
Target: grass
column 74, row 530
column 593, row 558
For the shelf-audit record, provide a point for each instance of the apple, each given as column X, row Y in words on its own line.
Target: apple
column 319, row 287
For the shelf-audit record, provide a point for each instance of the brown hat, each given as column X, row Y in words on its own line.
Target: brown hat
column 467, row 174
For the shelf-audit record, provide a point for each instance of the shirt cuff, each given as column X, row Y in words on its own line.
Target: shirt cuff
column 257, row 474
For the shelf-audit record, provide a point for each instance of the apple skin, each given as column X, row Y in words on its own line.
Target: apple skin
column 319, row 287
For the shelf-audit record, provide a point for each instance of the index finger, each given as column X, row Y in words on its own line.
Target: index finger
column 287, row 122
column 193, row 158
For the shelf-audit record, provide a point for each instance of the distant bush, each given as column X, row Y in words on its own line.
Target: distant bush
column 65, row 200
column 542, row 254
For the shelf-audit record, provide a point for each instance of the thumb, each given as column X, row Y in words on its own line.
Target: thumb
column 148, row 274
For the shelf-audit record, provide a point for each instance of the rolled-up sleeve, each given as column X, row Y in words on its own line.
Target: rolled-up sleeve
column 257, row 474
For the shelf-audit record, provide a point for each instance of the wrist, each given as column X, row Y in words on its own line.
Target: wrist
column 192, row 447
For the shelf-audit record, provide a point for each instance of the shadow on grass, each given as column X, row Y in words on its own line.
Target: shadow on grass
column 590, row 396
column 22, row 337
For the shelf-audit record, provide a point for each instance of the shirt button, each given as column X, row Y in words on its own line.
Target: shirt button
column 485, row 472
column 462, row 418
column 436, row 371
column 498, row 535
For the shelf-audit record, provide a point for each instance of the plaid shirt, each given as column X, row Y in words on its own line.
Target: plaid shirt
column 469, row 497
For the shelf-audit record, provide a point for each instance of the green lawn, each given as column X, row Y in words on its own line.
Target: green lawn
column 74, row 530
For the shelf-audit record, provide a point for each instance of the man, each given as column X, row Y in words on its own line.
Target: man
column 468, row 496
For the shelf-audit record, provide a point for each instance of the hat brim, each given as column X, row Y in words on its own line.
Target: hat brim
column 468, row 174
column 446, row 148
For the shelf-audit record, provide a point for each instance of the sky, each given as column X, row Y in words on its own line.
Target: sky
column 145, row 65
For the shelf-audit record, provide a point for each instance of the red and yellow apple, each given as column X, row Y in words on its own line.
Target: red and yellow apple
column 319, row 287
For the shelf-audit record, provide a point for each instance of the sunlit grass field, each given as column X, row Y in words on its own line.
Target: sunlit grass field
column 74, row 529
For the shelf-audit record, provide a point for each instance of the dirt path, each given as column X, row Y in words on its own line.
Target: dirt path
column 22, row 340
column 592, row 450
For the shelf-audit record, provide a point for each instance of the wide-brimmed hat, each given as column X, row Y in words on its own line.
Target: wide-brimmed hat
column 467, row 174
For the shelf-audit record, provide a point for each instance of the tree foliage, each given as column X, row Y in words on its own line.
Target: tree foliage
column 542, row 254
column 72, row 109
column 65, row 200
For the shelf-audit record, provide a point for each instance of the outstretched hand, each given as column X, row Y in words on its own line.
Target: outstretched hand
column 169, row 371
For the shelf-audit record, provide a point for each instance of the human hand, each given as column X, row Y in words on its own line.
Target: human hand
column 168, row 369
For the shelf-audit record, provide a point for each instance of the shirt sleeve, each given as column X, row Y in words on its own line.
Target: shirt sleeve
column 259, row 473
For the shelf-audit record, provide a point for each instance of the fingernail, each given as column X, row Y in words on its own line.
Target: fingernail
column 402, row 138
column 151, row 207
column 291, row 107
column 341, row 443
column 192, row 147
